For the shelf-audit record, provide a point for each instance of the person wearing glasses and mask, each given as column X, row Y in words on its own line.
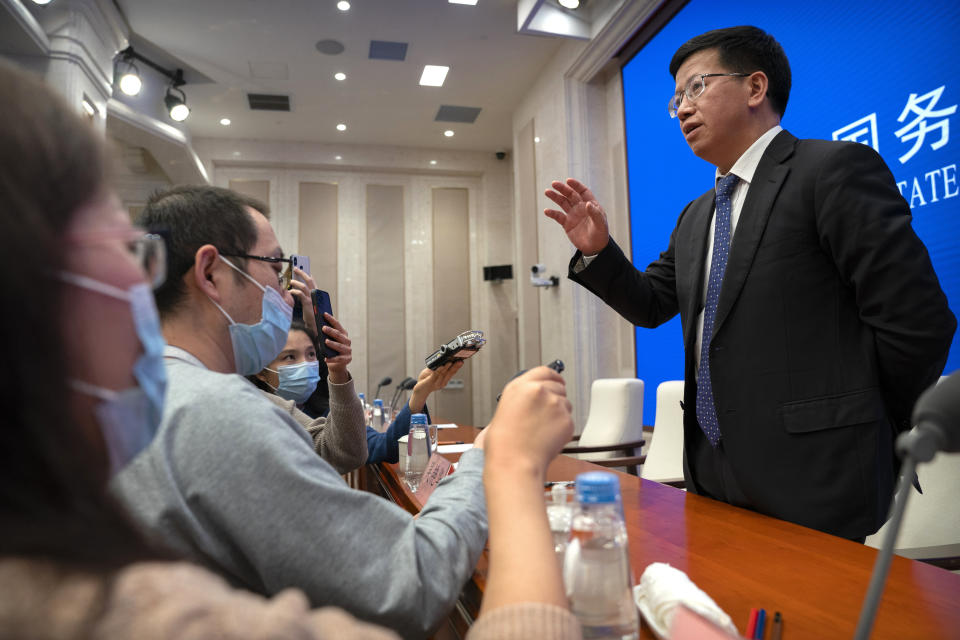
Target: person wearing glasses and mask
column 292, row 379
column 812, row 317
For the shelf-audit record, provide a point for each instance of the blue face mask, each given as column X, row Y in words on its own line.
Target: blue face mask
column 256, row 345
column 298, row 381
column 130, row 418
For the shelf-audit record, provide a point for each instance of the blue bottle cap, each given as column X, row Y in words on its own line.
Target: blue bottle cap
column 597, row 487
column 377, row 402
column 362, row 397
column 418, row 418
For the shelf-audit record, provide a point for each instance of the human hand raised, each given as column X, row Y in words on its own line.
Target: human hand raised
column 301, row 291
column 337, row 338
column 431, row 380
column 532, row 422
column 582, row 218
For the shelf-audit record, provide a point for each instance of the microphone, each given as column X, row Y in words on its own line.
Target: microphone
column 557, row 365
column 405, row 385
column 937, row 419
column 937, row 416
column 387, row 380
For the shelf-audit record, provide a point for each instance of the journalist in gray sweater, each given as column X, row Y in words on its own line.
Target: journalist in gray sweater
column 233, row 481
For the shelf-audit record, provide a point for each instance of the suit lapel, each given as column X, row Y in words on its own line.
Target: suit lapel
column 767, row 180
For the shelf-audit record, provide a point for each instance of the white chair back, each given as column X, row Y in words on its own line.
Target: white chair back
column 665, row 455
column 616, row 415
column 932, row 518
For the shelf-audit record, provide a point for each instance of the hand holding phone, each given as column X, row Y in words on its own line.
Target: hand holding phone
column 302, row 263
column 321, row 305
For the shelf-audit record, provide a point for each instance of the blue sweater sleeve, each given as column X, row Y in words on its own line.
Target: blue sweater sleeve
column 382, row 447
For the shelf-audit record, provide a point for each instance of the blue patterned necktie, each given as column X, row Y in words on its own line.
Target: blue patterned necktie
column 706, row 410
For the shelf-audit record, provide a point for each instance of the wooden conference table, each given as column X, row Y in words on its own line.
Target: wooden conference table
column 743, row 560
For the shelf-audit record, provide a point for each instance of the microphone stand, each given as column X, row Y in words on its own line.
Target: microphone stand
column 914, row 446
column 885, row 556
column 396, row 395
column 383, row 382
column 405, row 385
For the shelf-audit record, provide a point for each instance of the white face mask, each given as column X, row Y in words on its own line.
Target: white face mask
column 256, row 345
column 129, row 419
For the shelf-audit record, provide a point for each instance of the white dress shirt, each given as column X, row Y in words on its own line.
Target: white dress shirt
column 743, row 168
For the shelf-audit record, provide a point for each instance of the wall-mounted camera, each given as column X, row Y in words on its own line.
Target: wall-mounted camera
column 538, row 277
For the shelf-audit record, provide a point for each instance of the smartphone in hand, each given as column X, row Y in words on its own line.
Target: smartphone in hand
column 321, row 305
column 299, row 262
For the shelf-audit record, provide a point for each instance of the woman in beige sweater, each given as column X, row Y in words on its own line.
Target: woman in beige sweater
column 82, row 390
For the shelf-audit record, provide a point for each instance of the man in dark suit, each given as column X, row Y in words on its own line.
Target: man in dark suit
column 812, row 317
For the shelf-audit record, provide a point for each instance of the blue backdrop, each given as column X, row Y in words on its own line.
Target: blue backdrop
column 884, row 73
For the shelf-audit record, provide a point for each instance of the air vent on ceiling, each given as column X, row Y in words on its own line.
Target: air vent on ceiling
column 268, row 102
column 383, row 50
column 449, row 113
column 330, row 47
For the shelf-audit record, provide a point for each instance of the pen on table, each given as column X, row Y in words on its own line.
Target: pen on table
column 761, row 621
column 451, row 442
column 777, row 629
column 752, row 622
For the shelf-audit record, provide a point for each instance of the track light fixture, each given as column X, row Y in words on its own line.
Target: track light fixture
column 176, row 105
column 130, row 83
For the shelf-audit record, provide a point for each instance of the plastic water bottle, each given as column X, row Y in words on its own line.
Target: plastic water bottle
column 417, row 456
column 367, row 412
column 378, row 415
column 596, row 569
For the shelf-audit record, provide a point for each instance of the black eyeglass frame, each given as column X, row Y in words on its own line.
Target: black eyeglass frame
column 283, row 278
column 674, row 105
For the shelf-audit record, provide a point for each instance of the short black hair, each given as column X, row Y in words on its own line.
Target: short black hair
column 744, row 50
column 191, row 216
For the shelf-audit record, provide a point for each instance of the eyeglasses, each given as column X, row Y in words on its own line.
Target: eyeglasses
column 148, row 249
column 284, row 277
column 694, row 88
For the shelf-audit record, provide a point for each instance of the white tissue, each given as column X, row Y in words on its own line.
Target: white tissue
column 662, row 588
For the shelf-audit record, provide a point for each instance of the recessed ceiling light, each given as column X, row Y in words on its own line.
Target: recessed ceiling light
column 448, row 133
column 42, row 2
column 463, row 2
column 343, row 5
column 225, row 122
column 569, row 4
column 341, row 127
column 340, row 75
column 434, row 161
column 433, row 75
column 536, row 139
column 338, row 157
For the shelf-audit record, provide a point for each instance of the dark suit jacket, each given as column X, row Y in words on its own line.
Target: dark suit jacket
column 830, row 323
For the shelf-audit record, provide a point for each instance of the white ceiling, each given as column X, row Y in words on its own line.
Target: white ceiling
column 381, row 102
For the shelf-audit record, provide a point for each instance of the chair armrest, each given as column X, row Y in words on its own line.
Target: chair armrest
column 624, row 461
column 636, row 444
column 946, row 556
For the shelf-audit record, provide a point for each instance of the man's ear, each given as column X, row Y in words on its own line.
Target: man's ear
column 207, row 272
column 759, row 84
